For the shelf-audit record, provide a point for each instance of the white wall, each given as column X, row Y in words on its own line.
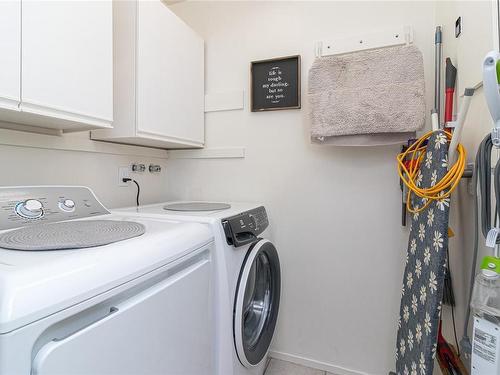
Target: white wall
column 54, row 160
column 335, row 212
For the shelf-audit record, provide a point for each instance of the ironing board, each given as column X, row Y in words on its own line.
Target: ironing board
column 424, row 275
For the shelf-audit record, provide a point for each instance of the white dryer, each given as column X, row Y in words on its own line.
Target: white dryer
column 84, row 291
column 248, row 278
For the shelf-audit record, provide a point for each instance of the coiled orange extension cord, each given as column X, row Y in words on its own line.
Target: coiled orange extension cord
column 409, row 173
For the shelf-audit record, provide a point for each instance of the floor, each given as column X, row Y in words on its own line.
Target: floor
column 279, row 367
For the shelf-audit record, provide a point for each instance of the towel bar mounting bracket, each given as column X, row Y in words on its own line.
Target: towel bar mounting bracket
column 380, row 39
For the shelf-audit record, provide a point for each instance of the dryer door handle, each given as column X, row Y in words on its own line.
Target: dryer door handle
column 244, row 238
column 244, row 228
column 237, row 237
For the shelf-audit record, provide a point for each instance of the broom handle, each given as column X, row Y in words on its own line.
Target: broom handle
column 437, row 70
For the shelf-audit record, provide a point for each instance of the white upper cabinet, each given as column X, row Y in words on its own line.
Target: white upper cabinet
column 67, row 63
column 158, row 78
column 56, row 64
column 170, row 88
column 10, row 54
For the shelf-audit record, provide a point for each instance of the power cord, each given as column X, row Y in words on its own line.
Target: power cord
column 409, row 172
column 138, row 189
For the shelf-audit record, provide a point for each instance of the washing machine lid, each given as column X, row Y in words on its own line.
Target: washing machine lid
column 196, row 206
column 35, row 284
column 158, row 210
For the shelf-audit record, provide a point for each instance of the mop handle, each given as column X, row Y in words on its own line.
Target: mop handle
column 437, row 70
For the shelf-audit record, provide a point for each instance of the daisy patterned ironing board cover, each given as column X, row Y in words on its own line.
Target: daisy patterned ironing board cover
column 425, row 269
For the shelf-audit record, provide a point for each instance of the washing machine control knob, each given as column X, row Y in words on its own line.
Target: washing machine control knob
column 67, row 205
column 30, row 209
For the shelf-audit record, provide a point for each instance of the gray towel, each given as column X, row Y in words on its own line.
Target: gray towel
column 368, row 92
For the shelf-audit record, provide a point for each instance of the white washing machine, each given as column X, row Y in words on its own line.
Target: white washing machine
column 248, row 278
column 84, row 291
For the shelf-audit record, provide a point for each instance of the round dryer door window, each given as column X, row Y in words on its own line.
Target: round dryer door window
column 257, row 303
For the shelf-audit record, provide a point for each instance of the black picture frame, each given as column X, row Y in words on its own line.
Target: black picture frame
column 275, row 84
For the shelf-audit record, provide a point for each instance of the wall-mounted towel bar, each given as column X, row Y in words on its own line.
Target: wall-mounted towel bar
column 385, row 38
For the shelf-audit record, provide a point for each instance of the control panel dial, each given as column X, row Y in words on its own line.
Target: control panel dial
column 67, row 205
column 32, row 205
column 30, row 209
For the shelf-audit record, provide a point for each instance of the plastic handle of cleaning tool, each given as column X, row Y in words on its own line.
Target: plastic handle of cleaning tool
column 491, row 263
column 450, row 78
column 448, row 108
column 434, row 120
column 459, row 125
column 491, row 91
column 491, row 240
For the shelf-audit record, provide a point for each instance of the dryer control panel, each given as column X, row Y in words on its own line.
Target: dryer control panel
column 244, row 228
column 21, row 206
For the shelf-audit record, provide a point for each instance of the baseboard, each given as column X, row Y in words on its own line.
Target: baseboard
column 337, row 370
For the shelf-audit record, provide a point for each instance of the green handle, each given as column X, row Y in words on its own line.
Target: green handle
column 491, row 263
column 498, row 71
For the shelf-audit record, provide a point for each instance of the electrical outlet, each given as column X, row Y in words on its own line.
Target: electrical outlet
column 123, row 172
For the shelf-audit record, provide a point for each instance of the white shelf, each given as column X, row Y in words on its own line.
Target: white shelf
column 209, row 153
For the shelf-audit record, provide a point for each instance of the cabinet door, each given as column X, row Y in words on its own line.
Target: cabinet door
column 67, row 60
column 10, row 55
column 165, row 329
column 170, row 76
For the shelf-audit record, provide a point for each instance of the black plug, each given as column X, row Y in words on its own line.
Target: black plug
column 125, row 179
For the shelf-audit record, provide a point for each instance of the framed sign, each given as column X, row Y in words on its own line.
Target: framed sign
column 275, row 84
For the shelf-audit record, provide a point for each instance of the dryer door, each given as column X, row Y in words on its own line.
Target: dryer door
column 256, row 303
